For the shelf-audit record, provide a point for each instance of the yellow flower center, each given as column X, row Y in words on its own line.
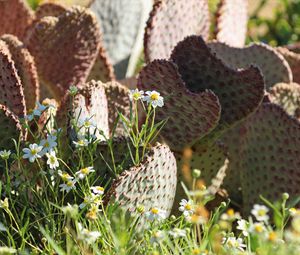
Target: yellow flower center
column 100, row 189
column 230, row 212
column 87, row 123
column 258, row 228
column 136, row 95
column 69, row 184
column 188, row 207
column 261, row 212
column 65, row 177
column 34, row 152
column 196, row 251
column 272, row 236
column 52, row 160
column 46, row 145
column 154, row 210
column 154, row 96
column 85, row 170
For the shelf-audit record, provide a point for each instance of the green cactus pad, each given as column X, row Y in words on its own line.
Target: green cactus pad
column 294, row 61
column 102, row 69
column 122, row 23
column 10, row 128
column 170, row 22
column 73, row 37
column 231, row 22
column 287, row 95
column 270, row 156
column 150, row 184
column 240, row 91
column 15, row 16
column 91, row 103
column 11, row 92
column 190, row 115
column 118, row 102
column 25, row 66
column 273, row 66
column 49, row 9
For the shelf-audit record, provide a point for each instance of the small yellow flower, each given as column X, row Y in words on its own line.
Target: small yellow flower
column 272, row 236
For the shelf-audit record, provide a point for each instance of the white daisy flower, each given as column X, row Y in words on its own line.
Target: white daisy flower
column 87, row 123
column 68, row 186
column 86, row 201
column 177, row 232
column 52, row 161
column 65, row 176
column 136, row 94
column 97, row 190
column 243, row 226
column 154, row 98
column 157, row 236
column 48, row 144
column 82, row 173
column 88, row 236
column 233, row 243
column 186, row 207
column 33, row 152
column 230, row 215
column 5, row 154
column 155, row 214
column 257, row 228
column 81, row 143
column 260, row 212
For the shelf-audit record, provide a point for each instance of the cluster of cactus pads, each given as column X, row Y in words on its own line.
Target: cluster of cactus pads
column 236, row 108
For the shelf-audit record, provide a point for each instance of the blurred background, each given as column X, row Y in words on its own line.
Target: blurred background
column 276, row 22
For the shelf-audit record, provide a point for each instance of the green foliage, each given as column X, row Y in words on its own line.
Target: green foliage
column 275, row 22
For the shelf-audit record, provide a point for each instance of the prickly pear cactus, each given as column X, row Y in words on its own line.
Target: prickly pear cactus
column 231, row 22
column 68, row 3
column 10, row 128
column 15, row 16
column 240, row 92
column 51, row 39
column 11, row 93
column 49, row 9
column 293, row 59
column 26, row 69
column 272, row 65
column 190, row 115
column 170, row 22
column 122, row 24
column 287, row 95
column 270, row 156
column 150, row 184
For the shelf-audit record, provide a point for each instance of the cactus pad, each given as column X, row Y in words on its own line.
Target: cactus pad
column 73, row 37
column 122, row 24
column 273, row 66
column 10, row 128
column 49, row 9
column 15, row 16
column 150, row 184
column 190, row 115
column 25, row 66
column 240, row 92
column 118, row 102
column 287, row 95
column 170, row 22
column 91, row 103
column 270, row 156
column 11, row 92
column 232, row 19
column 294, row 61
column 102, row 69
column 69, row 3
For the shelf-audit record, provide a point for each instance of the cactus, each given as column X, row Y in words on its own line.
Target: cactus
column 15, row 17
column 52, row 39
column 272, row 65
column 270, row 156
column 11, row 128
column 293, row 59
column 287, row 96
column 150, row 184
column 122, row 24
column 49, row 9
column 68, row 3
column 231, row 22
column 170, row 22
